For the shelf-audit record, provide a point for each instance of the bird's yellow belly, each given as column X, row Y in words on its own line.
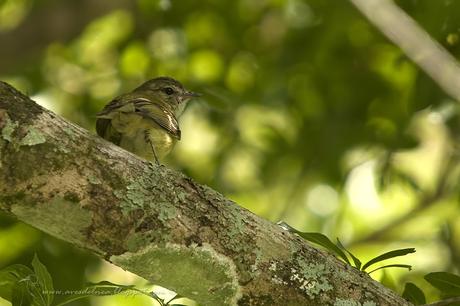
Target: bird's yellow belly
column 136, row 134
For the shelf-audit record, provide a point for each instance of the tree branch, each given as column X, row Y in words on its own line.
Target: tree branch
column 427, row 53
column 158, row 223
column 445, row 302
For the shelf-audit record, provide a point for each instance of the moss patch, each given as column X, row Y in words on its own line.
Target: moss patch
column 8, row 129
column 313, row 278
column 57, row 217
column 94, row 180
column 349, row 302
column 138, row 195
column 33, row 137
column 196, row 272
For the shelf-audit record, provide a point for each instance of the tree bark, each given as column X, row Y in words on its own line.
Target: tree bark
column 158, row 223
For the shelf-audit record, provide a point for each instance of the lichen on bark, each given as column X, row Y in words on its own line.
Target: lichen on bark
column 218, row 277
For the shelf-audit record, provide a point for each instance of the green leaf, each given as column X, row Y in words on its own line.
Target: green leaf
column 110, row 284
column 447, row 283
column 286, row 227
column 175, row 298
column 317, row 238
column 9, row 276
column 112, row 288
column 21, row 295
column 388, row 255
column 414, row 294
column 15, row 272
column 36, row 293
column 355, row 259
column 323, row 241
column 45, row 281
column 408, row 267
column 156, row 297
column 120, row 288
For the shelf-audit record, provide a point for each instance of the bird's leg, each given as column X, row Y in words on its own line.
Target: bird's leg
column 147, row 138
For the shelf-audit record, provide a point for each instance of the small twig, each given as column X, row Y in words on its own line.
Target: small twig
column 445, row 302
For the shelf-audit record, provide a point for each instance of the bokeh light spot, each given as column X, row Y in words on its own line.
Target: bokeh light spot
column 204, row 28
column 322, row 200
column 298, row 14
column 12, row 12
column 241, row 73
column 167, row 43
column 206, row 66
column 134, row 60
column 361, row 191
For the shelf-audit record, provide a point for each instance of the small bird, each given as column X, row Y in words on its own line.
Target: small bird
column 144, row 121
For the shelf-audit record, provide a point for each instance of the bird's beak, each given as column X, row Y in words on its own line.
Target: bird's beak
column 192, row 94
column 188, row 95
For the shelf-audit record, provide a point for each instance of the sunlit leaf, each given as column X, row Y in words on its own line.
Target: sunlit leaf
column 388, row 255
column 414, row 294
column 44, row 279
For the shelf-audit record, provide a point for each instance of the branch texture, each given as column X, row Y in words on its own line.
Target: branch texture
column 158, row 223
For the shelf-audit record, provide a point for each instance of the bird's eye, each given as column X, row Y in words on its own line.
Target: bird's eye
column 168, row 90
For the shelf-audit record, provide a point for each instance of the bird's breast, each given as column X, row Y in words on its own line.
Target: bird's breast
column 162, row 141
column 137, row 133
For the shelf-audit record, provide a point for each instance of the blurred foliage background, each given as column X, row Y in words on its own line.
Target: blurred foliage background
column 308, row 115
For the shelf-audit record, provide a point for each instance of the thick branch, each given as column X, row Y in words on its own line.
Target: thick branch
column 158, row 223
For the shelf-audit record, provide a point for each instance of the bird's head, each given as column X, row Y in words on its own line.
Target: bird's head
column 167, row 90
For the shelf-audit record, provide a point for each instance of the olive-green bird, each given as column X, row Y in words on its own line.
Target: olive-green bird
column 144, row 121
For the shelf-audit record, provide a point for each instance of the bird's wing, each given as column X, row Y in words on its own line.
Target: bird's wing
column 143, row 107
column 105, row 130
column 117, row 105
column 161, row 115
column 103, row 126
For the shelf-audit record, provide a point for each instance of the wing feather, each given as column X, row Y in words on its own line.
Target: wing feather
column 162, row 116
column 145, row 108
